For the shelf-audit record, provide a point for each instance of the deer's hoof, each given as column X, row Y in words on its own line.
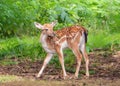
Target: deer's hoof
column 66, row 77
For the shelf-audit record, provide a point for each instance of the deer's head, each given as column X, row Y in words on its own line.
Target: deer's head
column 46, row 28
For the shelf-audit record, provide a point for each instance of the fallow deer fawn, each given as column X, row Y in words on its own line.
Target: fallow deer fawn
column 73, row 37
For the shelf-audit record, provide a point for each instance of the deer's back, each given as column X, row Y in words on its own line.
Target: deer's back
column 69, row 31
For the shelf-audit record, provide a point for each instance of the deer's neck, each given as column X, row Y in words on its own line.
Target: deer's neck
column 47, row 43
column 43, row 38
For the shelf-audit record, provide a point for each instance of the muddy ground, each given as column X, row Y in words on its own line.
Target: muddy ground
column 104, row 70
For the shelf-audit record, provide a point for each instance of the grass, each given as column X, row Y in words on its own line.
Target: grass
column 103, row 39
column 21, row 47
column 17, row 81
column 7, row 62
column 9, row 78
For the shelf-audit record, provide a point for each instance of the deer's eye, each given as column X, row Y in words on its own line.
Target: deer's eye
column 46, row 29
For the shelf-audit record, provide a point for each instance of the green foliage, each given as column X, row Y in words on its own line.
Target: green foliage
column 21, row 47
column 17, row 17
column 102, row 39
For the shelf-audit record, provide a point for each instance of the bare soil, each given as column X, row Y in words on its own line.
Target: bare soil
column 104, row 70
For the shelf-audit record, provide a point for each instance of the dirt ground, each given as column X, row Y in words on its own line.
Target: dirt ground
column 104, row 70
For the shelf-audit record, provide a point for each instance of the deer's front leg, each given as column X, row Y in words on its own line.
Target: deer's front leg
column 46, row 61
column 61, row 59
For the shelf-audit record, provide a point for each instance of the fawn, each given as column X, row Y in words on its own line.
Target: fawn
column 74, row 37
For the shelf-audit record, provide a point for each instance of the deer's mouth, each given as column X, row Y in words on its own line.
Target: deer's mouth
column 52, row 34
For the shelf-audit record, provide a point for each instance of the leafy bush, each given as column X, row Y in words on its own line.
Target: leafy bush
column 17, row 17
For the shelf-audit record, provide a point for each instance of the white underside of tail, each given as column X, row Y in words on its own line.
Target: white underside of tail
column 82, row 42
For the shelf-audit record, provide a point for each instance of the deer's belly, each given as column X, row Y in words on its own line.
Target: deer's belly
column 64, row 44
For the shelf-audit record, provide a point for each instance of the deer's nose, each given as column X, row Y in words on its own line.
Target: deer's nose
column 53, row 34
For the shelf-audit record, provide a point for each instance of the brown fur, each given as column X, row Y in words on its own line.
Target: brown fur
column 69, row 30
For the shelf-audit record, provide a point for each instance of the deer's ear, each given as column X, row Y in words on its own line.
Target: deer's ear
column 54, row 23
column 38, row 25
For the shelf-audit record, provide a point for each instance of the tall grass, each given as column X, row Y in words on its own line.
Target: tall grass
column 21, row 47
column 102, row 39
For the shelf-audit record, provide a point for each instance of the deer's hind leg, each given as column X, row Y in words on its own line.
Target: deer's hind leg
column 86, row 58
column 78, row 58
